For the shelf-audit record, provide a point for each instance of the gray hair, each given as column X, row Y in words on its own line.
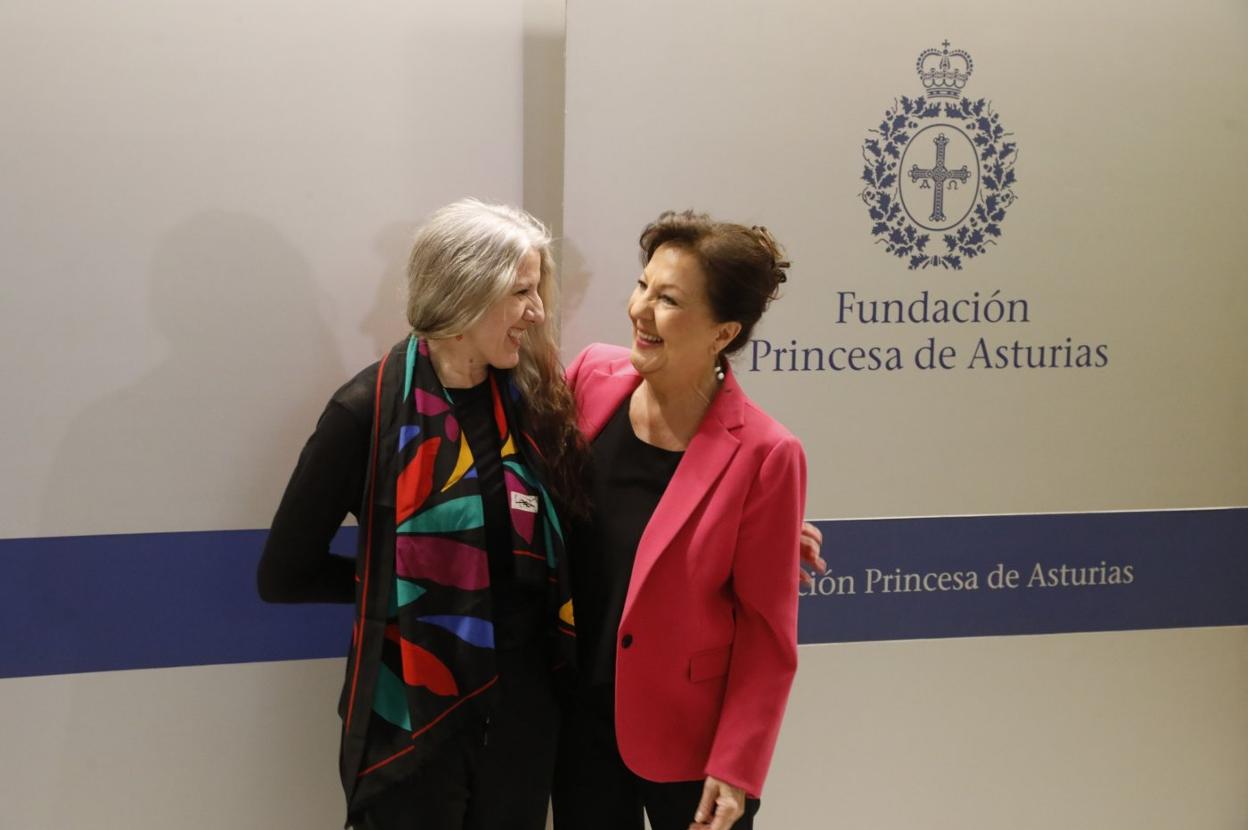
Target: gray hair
column 463, row 260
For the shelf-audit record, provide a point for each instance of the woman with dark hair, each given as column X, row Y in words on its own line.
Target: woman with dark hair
column 684, row 576
column 449, row 451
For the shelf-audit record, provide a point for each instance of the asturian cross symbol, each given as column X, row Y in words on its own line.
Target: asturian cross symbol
column 939, row 174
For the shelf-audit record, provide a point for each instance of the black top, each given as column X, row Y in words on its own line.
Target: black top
column 328, row 483
column 629, row 478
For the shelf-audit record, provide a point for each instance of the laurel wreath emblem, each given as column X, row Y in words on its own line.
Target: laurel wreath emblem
column 882, row 152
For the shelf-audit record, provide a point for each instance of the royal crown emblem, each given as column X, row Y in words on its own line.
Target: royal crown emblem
column 944, row 73
column 939, row 169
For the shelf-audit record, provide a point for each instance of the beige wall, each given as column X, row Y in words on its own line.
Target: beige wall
column 224, row 196
column 1140, row 730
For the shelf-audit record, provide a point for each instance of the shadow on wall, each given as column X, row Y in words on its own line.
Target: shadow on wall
column 574, row 281
column 386, row 321
column 207, row 439
column 543, row 105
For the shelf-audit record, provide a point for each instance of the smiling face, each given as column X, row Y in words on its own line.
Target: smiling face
column 496, row 338
column 675, row 335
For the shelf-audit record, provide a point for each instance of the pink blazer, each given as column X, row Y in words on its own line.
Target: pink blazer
column 707, row 646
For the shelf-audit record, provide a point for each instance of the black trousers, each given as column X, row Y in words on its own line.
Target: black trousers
column 594, row 790
column 492, row 777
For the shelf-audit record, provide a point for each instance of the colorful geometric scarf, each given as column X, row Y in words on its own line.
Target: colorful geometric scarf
column 422, row 663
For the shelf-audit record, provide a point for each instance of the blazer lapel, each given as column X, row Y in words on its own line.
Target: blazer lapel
column 611, row 384
column 706, row 457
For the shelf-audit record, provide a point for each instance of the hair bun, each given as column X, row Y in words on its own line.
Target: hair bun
column 772, row 247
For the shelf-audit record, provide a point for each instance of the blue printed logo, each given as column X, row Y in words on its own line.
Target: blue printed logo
column 939, row 169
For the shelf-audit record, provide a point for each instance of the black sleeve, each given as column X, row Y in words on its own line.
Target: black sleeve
column 327, row 483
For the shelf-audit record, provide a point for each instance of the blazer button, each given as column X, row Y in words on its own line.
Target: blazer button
column 626, row 641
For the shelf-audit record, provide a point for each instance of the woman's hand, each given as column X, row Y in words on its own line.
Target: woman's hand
column 721, row 805
column 809, row 542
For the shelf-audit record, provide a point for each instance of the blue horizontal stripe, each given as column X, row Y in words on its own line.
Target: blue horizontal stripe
column 152, row 600
column 100, row 603
column 1188, row 568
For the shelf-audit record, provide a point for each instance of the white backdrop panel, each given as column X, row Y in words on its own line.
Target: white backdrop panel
column 1125, row 233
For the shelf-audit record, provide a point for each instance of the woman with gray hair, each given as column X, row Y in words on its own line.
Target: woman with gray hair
column 450, row 452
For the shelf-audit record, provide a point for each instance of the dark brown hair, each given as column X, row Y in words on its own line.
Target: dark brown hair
column 744, row 266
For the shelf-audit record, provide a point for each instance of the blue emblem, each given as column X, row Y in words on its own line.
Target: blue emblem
column 939, row 169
